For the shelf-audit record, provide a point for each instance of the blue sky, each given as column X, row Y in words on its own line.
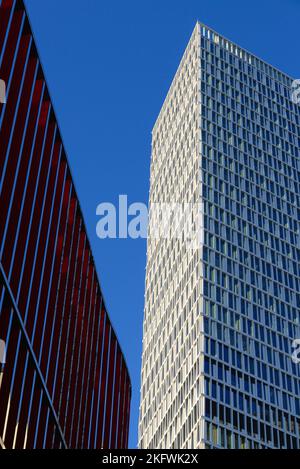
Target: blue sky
column 109, row 65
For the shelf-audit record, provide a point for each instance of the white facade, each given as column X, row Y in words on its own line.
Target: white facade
column 171, row 383
column 221, row 315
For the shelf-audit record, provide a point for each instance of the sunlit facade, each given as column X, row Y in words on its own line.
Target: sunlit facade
column 219, row 321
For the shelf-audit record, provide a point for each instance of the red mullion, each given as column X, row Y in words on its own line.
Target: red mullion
column 124, row 407
column 57, row 442
column 13, row 158
column 81, row 365
column 121, row 405
column 86, row 397
column 14, row 151
column 32, row 425
column 75, row 337
column 97, row 375
column 58, row 254
column 36, row 318
column 15, row 393
column 11, row 358
column 12, row 98
column 9, row 240
column 22, row 425
column 19, row 191
column 12, row 41
column 29, row 294
column 74, row 411
column 52, row 248
column 59, row 307
column 25, row 215
column 56, row 251
column 97, row 368
column 41, row 134
column 11, row 44
column 103, row 383
column 93, row 358
column 2, row 292
column 5, row 12
column 50, row 432
column 87, row 357
column 126, row 414
column 116, row 399
column 16, row 80
column 70, row 342
column 42, row 425
column 5, row 316
column 109, row 392
column 6, row 319
column 76, row 370
column 53, row 436
column 67, row 318
column 44, row 279
column 63, row 235
column 44, row 134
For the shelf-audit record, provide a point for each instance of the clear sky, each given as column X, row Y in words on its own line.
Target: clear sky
column 108, row 65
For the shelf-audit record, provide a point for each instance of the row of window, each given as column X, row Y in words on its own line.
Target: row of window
column 247, row 373
column 244, row 63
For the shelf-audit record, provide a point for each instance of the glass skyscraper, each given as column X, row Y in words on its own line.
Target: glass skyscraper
column 220, row 320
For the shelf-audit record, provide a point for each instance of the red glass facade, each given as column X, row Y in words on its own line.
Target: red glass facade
column 64, row 382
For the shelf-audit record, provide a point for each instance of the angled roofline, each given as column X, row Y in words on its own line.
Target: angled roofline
column 78, row 200
column 245, row 50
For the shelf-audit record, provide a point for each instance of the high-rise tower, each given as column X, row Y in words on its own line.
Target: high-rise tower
column 220, row 319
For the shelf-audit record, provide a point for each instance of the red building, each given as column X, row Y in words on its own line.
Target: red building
column 64, row 383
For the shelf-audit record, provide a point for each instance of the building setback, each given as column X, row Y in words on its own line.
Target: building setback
column 220, row 320
column 63, row 379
